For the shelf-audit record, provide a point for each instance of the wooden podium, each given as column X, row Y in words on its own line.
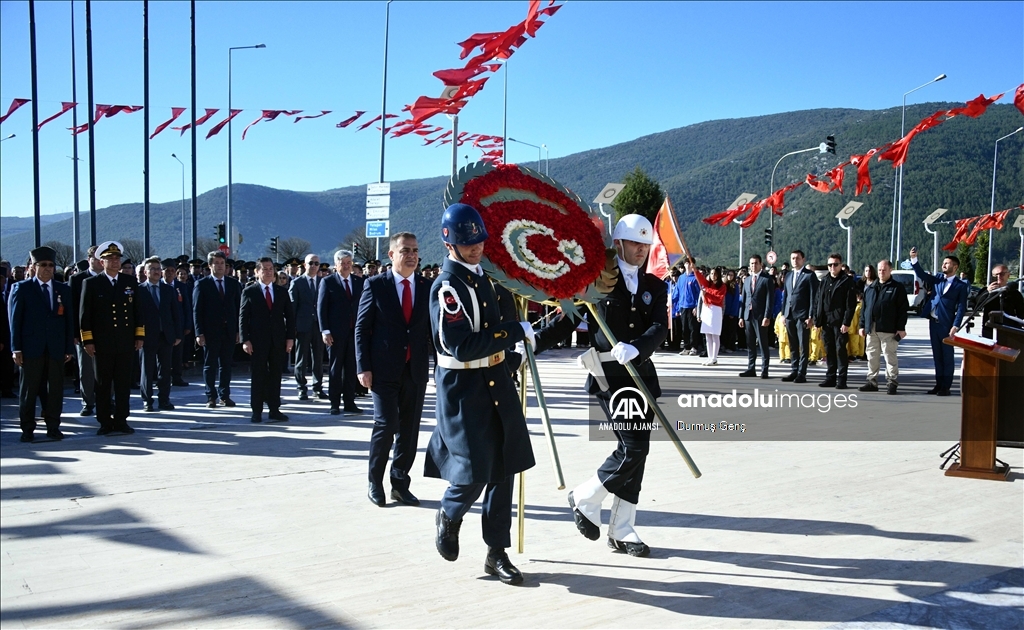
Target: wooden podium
column 979, row 410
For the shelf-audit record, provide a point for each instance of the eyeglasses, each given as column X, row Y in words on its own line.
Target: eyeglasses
column 835, row 264
column 1001, row 273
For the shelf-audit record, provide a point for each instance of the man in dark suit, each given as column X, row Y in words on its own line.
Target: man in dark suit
column 161, row 313
column 392, row 359
column 41, row 342
column 112, row 331
column 944, row 306
column 833, row 313
column 86, row 364
column 266, row 323
column 215, row 304
column 799, row 295
column 6, row 362
column 758, row 293
column 303, row 292
column 337, row 304
column 183, row 306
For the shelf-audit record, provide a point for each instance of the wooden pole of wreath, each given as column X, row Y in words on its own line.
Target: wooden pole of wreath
column 665, row 424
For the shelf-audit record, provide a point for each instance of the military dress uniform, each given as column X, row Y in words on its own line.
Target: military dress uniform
column 111, row 321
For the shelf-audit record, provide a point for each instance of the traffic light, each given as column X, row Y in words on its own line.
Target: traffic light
column 222, row 234
column 768, row 237
column 355, row 250
column 273, row 244
column 830, row 144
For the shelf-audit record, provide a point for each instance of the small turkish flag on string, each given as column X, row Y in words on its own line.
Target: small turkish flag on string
column 15, row 104
column 207, row 116
column 458, row 76
column 727, row 216
column 323, row 112
column 349, row 121
column 106, row 111
column 974, row 108
column 836, row 176
column 863, row 175
column 1018, row 98
column 270, row 114
column 368, row 123
column 65, row 107
column 816, row 184
column 992, row 221
column 216, row 128
column 897, row 152
column 962, row 226
column 175, row 112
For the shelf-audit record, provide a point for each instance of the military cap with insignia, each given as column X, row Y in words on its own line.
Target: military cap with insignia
column 197, row 262
column 109, row 249
column 82, row 265
column 325, row 266
column 250, row 265
column 169, row 262
column 293, row 262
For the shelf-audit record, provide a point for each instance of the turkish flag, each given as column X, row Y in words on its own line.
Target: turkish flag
column 63, row 110
column 961, row 231
column 863, row 175
column 974, row 108
column 271, row 114
column 323, row 112
column 458, row 76
column 1018, row 98
column 175, row 112
column 349, row 121
column 816, row 184
column 216, row 128
column 836, row 176
column 897, row 151
column 207, row 116
column 15, row 104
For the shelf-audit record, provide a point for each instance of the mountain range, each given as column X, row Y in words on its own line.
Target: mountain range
column 702, row 167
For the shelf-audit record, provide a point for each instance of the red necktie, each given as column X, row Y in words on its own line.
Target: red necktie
column 347, row 288
column 270, row 302
column 407, row 311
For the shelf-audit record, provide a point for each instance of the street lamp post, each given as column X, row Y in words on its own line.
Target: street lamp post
column 529, row 145
column 182, row 202
column 992, row 209
column 228, row 224
column 7, row 138
column 547, row 158
column 771, row 186
column 897, row 211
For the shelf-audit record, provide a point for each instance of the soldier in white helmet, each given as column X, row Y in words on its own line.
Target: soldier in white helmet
column 637, row 315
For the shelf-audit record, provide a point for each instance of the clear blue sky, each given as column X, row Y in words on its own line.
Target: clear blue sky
column 597, row 74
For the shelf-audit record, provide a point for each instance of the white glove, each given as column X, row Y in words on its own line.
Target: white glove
column 520, row 347
column 624, row 353
column 530, row 335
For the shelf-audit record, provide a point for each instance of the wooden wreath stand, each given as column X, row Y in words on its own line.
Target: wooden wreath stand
column 979, row 409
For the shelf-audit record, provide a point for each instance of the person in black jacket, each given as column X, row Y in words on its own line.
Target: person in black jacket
column 1009, row 300
column 883, row 321
column 837, row 300
column 266, row 324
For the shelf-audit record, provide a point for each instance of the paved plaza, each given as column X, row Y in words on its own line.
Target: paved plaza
column 202, row 519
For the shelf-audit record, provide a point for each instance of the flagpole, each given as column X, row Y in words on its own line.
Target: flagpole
column 145, row 127
column 193, row 128
column 35, row 121
column 89, row 114
column 75, row 226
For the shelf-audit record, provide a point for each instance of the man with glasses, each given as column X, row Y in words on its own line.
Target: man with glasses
column 837, row 300
column 1009, row 300
column 41, row 342
column 303, row 292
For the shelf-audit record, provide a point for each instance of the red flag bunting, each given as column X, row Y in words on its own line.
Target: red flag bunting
column 458, row 76
column 863, row 175
column 349, row 121
column 323, row 112
column 270, row 114
column 216, row 128
column 962, row 226
column 974, row 108
column 816, row 184
column 15, row 104
column 368, row 123
column 65, row 107
column 175, row 112
column 836, row 176
column 207, row 116
column 897, row 151
column 1018, row 98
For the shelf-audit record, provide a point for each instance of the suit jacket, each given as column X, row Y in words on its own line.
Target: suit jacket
column 214, row 317
column 162, row 321
column 39, row 328
column 111, row 314
column 798, row 302
column 336, row 310
column 757, row 301
column 76, row 298
column 183, row 297
column 266, row 328
column 947, row 306
column 303, row 292
column 382, row 336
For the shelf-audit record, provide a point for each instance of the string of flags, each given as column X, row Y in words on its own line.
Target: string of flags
column 967, row 230
column 460, row 86
column 895, row 152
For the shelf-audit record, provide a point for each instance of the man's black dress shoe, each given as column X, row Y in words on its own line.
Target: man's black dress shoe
column 124, row 428
column 165, row 407
column 277, row 416
column 942, row 392
column 748, row 373
column 764, row 375
column 335, row 411
column 256, row 418
column 148, row 407
column 180, row 383
column 227, row 402
column 800, row 379
column 586, row 527
column 303, row 396
column 54, row 434
column 637, row 550
column 353, row 409
column 447, row 539
column 86, row 411
column 827, row 383
column 841, row 385
column 211, row 404
column 320, row 395
column 103, row 430
column 498, row 564
column 789, row 378
column 376, row 494
column 404, row 496
column 27, row 437
column 868, row 387
column 933, row 391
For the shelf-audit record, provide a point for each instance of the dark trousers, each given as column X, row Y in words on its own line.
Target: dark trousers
column 268, row 360
column 156, row 370
column 38, row 374
column 113, row 372
column 343, row 371
column 87, row 376
column 397, row 408
column 6, row 366
column 942, row 354
column 217, row 365
column 799, row 346
column 495, row 513
column 729, row 329
column 675, row 342
column 623, row 472
column 310, row 352
column 758, row 338
column 836, row 358
column 692, row 337
column 177, row 361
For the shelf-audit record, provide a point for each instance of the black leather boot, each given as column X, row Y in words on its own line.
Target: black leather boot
column 447, row 540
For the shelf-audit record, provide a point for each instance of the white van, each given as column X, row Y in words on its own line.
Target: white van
column 914, row 287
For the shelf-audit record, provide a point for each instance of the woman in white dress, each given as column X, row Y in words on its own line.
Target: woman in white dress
column 712, row 294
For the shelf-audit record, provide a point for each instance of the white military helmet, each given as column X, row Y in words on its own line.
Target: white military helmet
column 634, row 227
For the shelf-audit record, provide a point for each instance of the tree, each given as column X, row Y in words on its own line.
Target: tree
column 362, row 247
column 981, row 258
column 64, row 254
column 963, row 252
column 205, row 245
column 641, row 195
column 133, row 250
column 293, row 247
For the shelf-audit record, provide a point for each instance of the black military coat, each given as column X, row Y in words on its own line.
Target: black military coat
column 110, row 315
